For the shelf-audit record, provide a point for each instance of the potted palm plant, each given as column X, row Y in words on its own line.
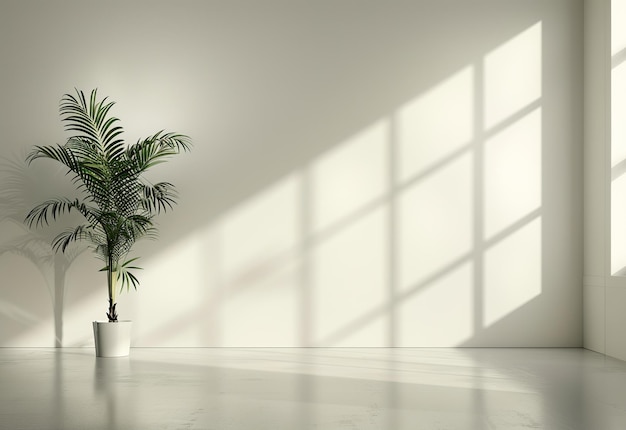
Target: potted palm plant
column 116, row 203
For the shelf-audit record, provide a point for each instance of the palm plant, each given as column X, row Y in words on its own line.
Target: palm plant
column 117, row 203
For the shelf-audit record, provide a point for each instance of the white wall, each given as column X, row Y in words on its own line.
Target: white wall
column 596, row 150
column 365, row 173
column 605, row 149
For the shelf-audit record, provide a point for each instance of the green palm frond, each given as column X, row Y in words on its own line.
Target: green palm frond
column 117, row 204
column 67, row 237
column 125, row 275
column 157, row 148
column 54, row 208
column 63, row 154
column 160, row 196
column 92, row 121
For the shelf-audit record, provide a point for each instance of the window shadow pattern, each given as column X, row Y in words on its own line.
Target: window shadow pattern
column 423, row 229
column 426, row 227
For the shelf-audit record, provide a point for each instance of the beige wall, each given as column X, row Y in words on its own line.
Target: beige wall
column 364, row 173
column 605, row 144
column 597, row 126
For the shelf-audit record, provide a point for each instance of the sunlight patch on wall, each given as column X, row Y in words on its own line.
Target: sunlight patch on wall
column 174, row 275
column 618, row 29
column 512, row 177
column 618, row 125
column 513, row 272
column 265, row 313
column 351, row 176
column 513, row 76
column 441, row 313
column 435, row 125
column 258, row 268
column 435, row 223
column 350, row 279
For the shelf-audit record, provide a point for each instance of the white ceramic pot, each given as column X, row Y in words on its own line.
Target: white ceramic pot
column 112, row 339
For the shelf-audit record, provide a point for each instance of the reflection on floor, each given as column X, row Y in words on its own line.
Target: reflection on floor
column 293, row 389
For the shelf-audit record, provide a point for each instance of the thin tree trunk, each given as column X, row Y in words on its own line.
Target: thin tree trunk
column 112, row 314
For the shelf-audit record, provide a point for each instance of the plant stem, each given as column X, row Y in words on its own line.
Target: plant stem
column 111, row 276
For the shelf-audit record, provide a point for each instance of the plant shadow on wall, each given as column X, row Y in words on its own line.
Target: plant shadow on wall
column 426, row 228
column 21, row 188
column 111, row 205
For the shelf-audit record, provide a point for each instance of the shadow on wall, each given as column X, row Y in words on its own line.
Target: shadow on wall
column 20, row 190
column 381, row 179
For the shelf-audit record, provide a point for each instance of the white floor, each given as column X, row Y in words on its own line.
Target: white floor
column 293, row 389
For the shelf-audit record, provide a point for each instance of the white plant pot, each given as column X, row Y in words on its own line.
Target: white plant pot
column 112, row 339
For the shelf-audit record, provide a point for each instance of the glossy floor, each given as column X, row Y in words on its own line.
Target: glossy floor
column 292, row 389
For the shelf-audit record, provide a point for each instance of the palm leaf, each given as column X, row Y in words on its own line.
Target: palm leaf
column 157, row 148
column 65, row 238
column 160, row 196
